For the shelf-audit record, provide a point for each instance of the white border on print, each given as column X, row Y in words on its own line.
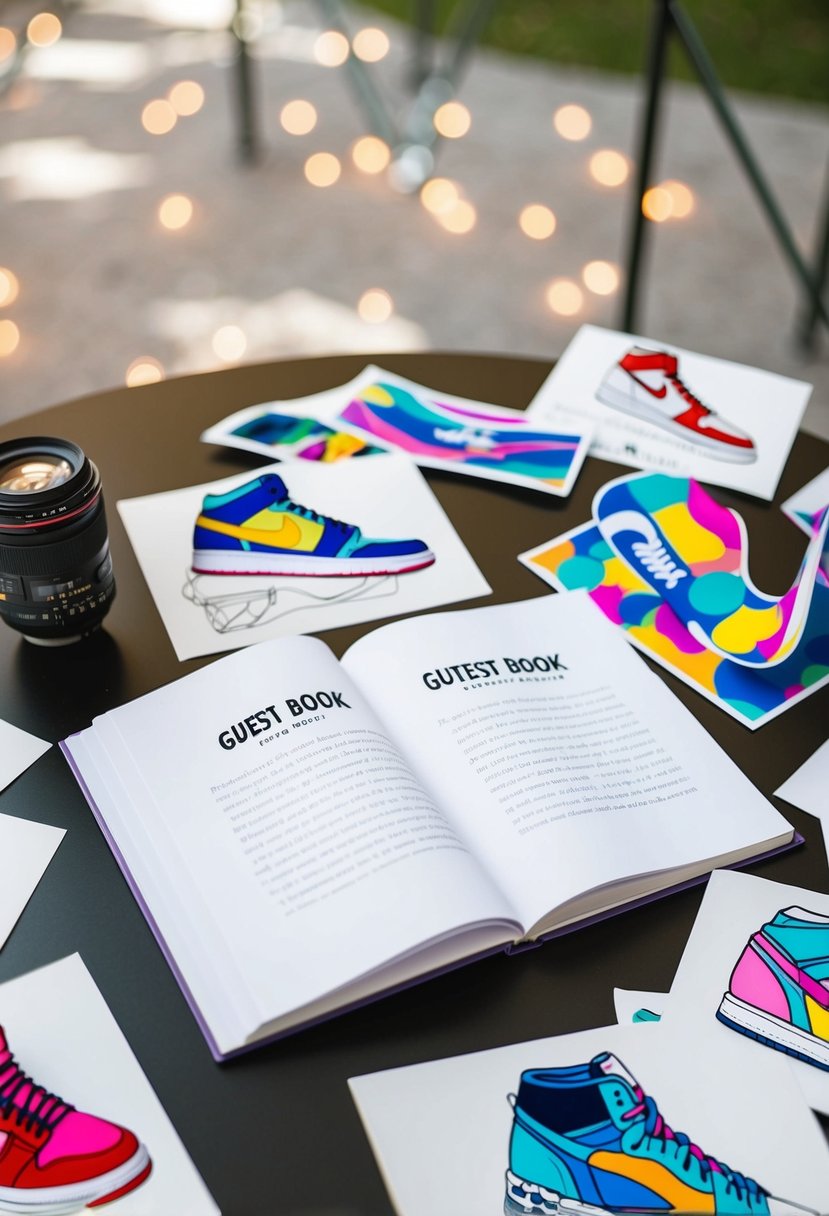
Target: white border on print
column 570, row 388
column 809, row 499
column 388, row 485
column 526, row 559
column 325, row 407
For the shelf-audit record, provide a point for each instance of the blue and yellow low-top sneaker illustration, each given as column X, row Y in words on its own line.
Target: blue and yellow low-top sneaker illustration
column 257, row 529
column 587, row 1141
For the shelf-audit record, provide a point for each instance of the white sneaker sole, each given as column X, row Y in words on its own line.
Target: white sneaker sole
column 528, row 1199
column 61, row 1200
column 773, row 1031
column 224, row 561
column 648, row 413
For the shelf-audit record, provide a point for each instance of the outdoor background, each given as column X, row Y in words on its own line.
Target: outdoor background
column 131, row 251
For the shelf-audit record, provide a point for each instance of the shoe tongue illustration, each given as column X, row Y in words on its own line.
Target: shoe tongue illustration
column 271, row 481
column 607, row 1065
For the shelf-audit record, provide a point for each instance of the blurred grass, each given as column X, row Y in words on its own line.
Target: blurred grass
column 778, row 47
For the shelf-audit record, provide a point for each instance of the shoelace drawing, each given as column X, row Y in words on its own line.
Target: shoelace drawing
column 689, row 1156
column 687, row 395
column 658, row 562
column 39, row 1110
column 297, row 508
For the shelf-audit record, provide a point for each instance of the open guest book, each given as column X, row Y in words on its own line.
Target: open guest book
column 305, row 833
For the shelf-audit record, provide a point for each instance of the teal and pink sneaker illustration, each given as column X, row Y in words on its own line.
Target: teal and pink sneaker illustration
column 55, row 1159
column 694, row 554
column 588, row 1141
column 646, row 384
column 258, row 529
column 778, row 993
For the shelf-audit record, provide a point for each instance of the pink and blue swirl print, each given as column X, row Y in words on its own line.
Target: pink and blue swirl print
column 471, row 439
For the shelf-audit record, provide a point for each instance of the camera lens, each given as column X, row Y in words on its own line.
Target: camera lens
column 56, row 582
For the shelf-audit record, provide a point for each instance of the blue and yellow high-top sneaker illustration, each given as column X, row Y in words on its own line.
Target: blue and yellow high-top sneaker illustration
column 778, row 993
column 587, row 1141
column 257, row 529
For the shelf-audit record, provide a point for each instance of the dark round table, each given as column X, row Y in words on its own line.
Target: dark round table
column 275, row 1131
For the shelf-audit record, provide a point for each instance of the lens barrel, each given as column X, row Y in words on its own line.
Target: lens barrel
column 56, row 581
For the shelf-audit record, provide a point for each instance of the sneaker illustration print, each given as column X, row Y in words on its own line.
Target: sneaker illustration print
column 647, row 385
column 258, row 529
column 53, row 1158
column 587, row 1140
column 778, row 993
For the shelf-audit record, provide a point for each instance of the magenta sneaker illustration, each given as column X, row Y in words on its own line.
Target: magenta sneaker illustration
column 778, row 993
column 646, row 383
column 55, row 1159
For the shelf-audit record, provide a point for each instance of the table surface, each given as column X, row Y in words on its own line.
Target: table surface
column 275, row 1131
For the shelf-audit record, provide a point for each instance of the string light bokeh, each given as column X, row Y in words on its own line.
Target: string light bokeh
column 463, row 222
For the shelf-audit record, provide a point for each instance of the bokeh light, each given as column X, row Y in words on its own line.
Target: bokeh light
column 439, row 194
column 9, row 338
column 608, row 167
column 371, row 45
column 572, row 122
column 186, row 98
column 375, row 306
column 452, row 120
column 537, row 221
column 370, row 154
column 229, row 343
column 158, row 117
column 9, row 287
column 298, row 117
column 175, row 211
column 331, row 49
column 657, row 204
column 8, row 42
column 682, row 199
column 459, row 218
column 322, row 169
column 44, row 29
column 143, row 370
column 602, row 278
column 565, row 297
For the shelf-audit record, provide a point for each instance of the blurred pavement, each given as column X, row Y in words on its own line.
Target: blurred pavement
column 272, row 266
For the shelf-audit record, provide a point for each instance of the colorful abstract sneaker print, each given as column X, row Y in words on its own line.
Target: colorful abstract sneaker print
column 778, row 993
column 582, row 559
column 304, row 438
column 694, row 554
column 646, row 383
column 436, row 432
column 53, row 1158
column 257, row 529
column 587, row 1141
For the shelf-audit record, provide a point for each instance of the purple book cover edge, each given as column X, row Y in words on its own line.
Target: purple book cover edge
column 220, row 1057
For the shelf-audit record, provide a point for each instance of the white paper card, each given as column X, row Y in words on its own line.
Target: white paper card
column 630, row 1002
column 809, row 499
column 808, row 787
column 63, row 1035
column 636, row 413
column 441, row 1131
column 26, row 849
column 386, row 496
column 18, row 749
column 735, row 907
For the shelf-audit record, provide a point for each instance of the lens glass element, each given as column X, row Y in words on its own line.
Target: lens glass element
column 34, row 473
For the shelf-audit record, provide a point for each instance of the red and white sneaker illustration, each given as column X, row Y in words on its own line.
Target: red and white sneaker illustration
column 54, row 1159
column 646, row 383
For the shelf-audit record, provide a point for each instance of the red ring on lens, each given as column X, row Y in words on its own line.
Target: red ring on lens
column 45, row 523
